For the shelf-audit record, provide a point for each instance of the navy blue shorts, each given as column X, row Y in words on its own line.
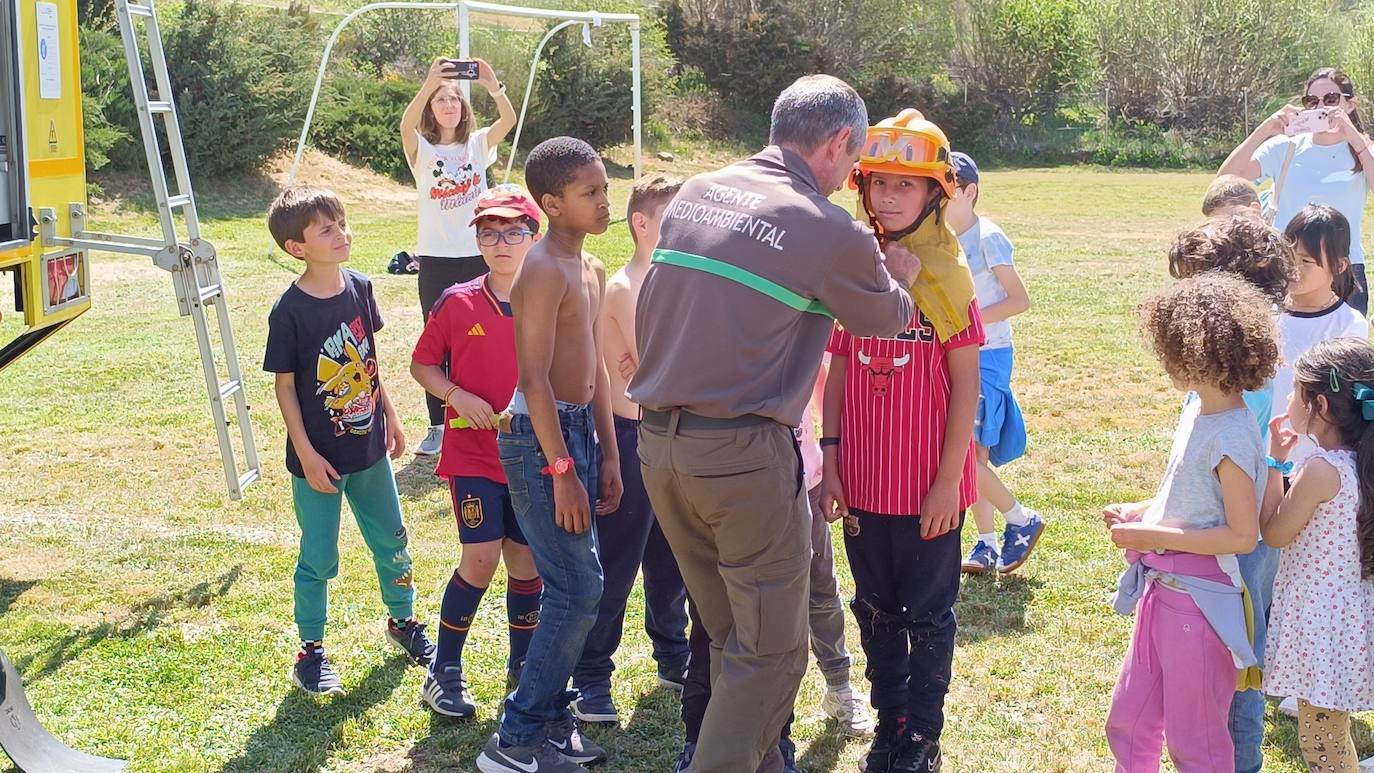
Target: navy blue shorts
column 483, row 510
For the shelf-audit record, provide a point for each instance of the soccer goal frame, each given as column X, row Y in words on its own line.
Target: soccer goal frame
column 462, row 10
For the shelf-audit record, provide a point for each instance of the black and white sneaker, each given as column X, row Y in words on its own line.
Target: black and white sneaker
column 447, row 693
column 917, row 754
column 313, row 674
column 496, row 757
column 565, row 737
column 888, row 737
column 412, row 641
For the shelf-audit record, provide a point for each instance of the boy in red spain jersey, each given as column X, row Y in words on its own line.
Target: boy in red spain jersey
column 898, row 447
column 470, row 336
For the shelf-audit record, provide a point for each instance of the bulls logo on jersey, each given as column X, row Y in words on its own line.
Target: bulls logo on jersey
column 881, row 369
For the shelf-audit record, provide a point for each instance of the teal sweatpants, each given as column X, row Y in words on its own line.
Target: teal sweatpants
column 377, row 509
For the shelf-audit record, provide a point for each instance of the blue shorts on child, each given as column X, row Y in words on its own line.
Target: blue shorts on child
column 998, row 426
column 483, row 510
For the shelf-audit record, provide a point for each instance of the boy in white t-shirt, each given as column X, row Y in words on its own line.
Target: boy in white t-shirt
column 1000, row 431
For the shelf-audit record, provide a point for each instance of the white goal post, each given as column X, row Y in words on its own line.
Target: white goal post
column 463, row 10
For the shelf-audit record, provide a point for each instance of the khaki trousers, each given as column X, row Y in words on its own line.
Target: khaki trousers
column 731, row 504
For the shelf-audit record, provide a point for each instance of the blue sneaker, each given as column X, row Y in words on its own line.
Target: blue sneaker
column 594, row 704
column 982, row 559
column 313, row 673
column 689, row 749
column 409, row 637
column 1019, row 541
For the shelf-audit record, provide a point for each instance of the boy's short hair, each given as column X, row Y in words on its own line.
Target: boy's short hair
column 1213, row 329
column 553, row 163
column 297, row 207
column 649, row 192
column 1228, row 190
column 1243, row 245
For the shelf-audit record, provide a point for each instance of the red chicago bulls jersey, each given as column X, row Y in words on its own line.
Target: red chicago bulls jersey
column 896, row 404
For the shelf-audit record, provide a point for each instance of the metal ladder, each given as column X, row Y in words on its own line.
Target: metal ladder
column 192, row 261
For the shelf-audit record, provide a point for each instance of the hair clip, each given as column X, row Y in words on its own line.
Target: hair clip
column 1365, row 397
column 1335, row 381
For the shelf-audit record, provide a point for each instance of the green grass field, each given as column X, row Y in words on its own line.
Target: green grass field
column 151, row 616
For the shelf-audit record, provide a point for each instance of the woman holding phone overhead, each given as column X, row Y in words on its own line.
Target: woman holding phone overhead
column 448, row 156
column 1316, row 154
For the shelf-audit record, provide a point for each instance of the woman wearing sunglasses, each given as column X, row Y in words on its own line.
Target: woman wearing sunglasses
column 1332, row 166
column 448, row 156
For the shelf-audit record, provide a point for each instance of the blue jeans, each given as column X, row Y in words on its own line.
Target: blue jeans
column 630, row 538
column 1257, row 569
column 569, row 564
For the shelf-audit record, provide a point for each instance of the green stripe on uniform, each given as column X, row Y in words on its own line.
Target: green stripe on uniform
column 742, row 276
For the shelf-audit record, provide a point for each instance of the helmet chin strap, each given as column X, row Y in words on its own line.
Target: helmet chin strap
column 883, row 234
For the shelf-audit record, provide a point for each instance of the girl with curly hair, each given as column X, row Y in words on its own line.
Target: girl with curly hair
column 1321, row 626
column 1192, row 646
column 1247, row 247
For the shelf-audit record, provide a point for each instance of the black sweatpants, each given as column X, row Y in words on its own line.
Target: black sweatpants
column 436, row 276
column 904, row 593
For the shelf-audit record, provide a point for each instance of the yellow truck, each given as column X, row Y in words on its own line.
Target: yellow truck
column 42, row 164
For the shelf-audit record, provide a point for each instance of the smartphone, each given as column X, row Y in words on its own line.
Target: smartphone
column 1308, row 122
column 462, row 69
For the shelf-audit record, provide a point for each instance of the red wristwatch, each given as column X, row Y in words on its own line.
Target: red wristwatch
column 561, row 466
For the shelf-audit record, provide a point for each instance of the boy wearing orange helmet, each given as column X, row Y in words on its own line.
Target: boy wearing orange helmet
column 899, row 462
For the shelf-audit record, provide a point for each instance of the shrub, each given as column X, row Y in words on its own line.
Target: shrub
column 358, row 119
column 747, row 57
column 585, row 92
column 397, row 40
column 1024, row 55
column 104, row 93
column 238, row 78
column 1194, row 64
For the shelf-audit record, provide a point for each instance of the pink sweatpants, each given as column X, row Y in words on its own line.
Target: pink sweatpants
column 1176, row 685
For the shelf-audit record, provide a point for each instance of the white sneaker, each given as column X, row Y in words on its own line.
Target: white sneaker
column 1289, row 707
column 850, row 710
column 434, row 440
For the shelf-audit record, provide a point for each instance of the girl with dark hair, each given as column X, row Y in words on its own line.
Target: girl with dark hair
column 1333, row 167
column 1316, row 307
column 1321, row 624
column 448, row 157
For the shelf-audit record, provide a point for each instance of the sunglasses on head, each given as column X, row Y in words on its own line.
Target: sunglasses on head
column 1329, row 99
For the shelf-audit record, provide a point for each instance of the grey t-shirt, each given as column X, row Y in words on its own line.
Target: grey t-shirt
column 1189, row 496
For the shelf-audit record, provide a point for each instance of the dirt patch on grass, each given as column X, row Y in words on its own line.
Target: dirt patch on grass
column 355, row 185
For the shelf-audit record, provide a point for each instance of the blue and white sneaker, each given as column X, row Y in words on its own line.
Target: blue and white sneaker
column 312, row 673
column 689, row 749
column 411, row 640
column 1019, row 541
column 982, row 559
column 446, row 692
column 594, row 705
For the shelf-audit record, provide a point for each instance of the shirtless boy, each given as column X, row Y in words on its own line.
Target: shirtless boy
column 551, row 457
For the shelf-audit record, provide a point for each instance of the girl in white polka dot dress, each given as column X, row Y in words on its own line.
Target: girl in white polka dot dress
column 1321, row 625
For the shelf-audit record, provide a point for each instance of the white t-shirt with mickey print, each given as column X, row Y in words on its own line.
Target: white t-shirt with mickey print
column 449, row 179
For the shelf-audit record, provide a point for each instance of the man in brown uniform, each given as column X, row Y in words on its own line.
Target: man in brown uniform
column 753, row 266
